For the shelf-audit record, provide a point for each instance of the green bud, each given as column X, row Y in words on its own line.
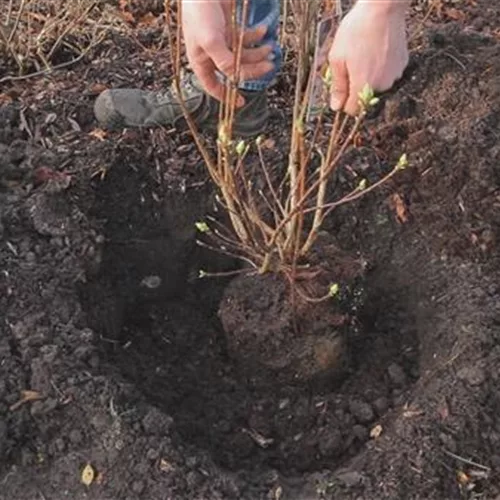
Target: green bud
column 240, row 148
column 362, row 185
column 402, row 162
column 223, row 135
column 259, row 140
column 202, row 274
column 367, row 97
column 333, row 290
column 202, row 227
column 328, row 77
column 299, row 125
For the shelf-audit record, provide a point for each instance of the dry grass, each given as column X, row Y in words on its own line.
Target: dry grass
column 39, row 34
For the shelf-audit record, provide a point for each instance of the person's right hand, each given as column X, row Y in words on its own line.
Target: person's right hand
column 370, row 47
column 207, row 34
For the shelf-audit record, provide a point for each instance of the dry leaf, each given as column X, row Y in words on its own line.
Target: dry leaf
column 5, row 99
column 99, row 133
column 88, row 475
column 376, row 431
column 400, row 207
column 269, row 143
column 43, row 175
column 124, row 13
column 26, row 396
column 97, row 88
column 127, row 17
column 463, row 478
column 166, row 466
column 455, row 14
column 148, row 19
column 444, row 411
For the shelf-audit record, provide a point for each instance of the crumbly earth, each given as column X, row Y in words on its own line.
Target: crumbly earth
column 104, row 318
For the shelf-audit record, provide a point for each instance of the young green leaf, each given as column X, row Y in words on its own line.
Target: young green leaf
column 223, row 135
column 367, row 97
column 202, row 274
column 402, row 162
column 362, row 185
column 240, row 148
column 333, row 290
column 202, row 227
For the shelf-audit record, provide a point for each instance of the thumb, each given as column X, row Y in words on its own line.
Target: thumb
column 340, row 84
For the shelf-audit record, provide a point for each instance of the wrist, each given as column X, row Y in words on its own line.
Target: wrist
column 384, row 7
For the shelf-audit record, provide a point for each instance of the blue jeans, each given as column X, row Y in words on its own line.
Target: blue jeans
column 265, row 12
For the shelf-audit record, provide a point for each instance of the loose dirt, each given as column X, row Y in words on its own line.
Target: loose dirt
column 105, row 318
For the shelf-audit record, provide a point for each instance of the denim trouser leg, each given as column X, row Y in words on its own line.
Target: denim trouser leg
column 265, row 12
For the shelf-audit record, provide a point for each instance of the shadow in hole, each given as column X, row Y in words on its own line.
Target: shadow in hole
column 171, row 347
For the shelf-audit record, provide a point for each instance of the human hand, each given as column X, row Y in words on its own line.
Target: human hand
column 370, row 47
column 207, row 34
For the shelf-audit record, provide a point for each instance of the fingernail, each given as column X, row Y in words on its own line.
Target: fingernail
column 335, row 103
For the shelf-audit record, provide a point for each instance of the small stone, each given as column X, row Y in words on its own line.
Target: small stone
column 3, row 388
column 76, row 436
column 157, row 422
column 447, row 133
column 152, row 454
column 3, row 436
column 330, row 444
column 49, row 353
column 473, row 375
column 361, row 411
column 138, row 487
column 151, row 282
column 396, row 375
column 381, row 405
column 60, row 444
column 31, row 257
column 349, row 478
column 360, row 433
column 44, row 407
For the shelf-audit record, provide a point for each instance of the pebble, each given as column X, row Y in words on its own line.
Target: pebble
column 349, row 478
column 3, row 436
column 396, row 375
column 157, row 422
column 76, row 436
column 473, row 375
column 60, row 444
column 152, row 454
column 360, row 432
column 361, row 411
column 330, row 444
column 381, row 405
column 138, row 487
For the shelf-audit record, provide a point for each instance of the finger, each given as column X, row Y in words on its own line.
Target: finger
column 208, row 80
column 340, row 84
column 254, row 36
column 253, row 71
column 256, row 55
column 351, row 106
column 206, row 74
column 223, row 59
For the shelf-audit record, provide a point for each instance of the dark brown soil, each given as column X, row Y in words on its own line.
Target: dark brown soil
column 103, row 314
column 277, row 334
